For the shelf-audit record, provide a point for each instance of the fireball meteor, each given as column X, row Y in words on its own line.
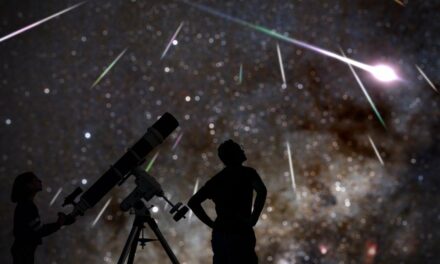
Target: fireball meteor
column 381, row 72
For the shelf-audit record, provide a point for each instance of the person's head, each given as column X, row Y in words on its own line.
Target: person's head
column 25, row 186
column 231, row 153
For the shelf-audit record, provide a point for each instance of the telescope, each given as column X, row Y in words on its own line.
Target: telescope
column 122, row 169
column 146, row 188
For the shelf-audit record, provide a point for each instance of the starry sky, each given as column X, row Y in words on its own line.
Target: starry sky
column 363, row 192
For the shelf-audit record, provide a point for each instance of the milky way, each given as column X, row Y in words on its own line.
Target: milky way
column 77, row 90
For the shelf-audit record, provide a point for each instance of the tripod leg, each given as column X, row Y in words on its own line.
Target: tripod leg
column 153, row 225
column 134, row 246
column 128, row 243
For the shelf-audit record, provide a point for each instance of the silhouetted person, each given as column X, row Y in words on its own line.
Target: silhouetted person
column 233, row 237
column 28, row 229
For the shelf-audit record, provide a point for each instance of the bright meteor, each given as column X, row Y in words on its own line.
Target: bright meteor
column 373, row 106
column 101, row 212
column 177, row 141
column 426, row 78
column 150, row 164
column 280, row 60
column 15, row 33
column 384, row 73
column 55, row 196
column 376, row 151
column 292, row 174
column 240, row 74
column 381, row 72
column 196, row 187
column 104, row 73
column 171, row 41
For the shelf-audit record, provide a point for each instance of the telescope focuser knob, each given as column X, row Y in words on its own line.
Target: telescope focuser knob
column 181, row 213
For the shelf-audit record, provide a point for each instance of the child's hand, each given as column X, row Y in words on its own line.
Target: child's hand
column 61, row 219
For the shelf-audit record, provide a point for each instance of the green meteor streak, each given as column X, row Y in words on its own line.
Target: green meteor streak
column 373, row 106
column 374, row 70
column 150, row 164
column 104, row 73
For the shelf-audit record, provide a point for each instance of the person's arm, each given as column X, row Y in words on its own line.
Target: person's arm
column 195, row 203
column 43, row 230
column 47, row 229
column 260, row 199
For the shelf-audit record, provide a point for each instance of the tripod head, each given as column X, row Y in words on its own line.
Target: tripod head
column 146, row 188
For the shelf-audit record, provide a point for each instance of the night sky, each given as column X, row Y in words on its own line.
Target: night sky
column 221, row 80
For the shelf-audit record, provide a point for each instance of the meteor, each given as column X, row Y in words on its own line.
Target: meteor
column 280, row 59
column 240, row 74
column 101, row 212
column 177, row 141
column 104, row 73
column 55, row 196
column 373, row 106
column 400, row 2
column 381, row 72
column 196, row 187
column 150, row 164
column 171, row 41
column 426, row 78
column 292, row 174
column 15, row 33
column 376, row 151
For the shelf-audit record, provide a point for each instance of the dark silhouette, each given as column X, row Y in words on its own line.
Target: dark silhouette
column 28, row 229
column 233, row 237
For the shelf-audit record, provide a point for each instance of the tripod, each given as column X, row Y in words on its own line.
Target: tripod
column 142, row 216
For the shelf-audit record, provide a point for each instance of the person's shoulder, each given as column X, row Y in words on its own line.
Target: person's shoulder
column 250, row 170
column 216, row 177
column 221, row 173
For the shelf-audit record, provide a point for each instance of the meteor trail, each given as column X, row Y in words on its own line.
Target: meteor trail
column 426, row 78
column 104, row 73
column 101, row 212
column 380, row 72
column 240, row 74
column 196, row 187
column 292, row 174
column 15, row 33
column 177, row 141
column 171, row 41
column 280, row 59
column 150, row 164
column 376, row 151
column 400, row 2
column 55, row 197
column 373, row 106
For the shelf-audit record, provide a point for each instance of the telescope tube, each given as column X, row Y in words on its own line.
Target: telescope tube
column 135, row 156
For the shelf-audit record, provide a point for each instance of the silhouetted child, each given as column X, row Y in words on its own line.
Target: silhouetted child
column 233, row 237
column 28, row 229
